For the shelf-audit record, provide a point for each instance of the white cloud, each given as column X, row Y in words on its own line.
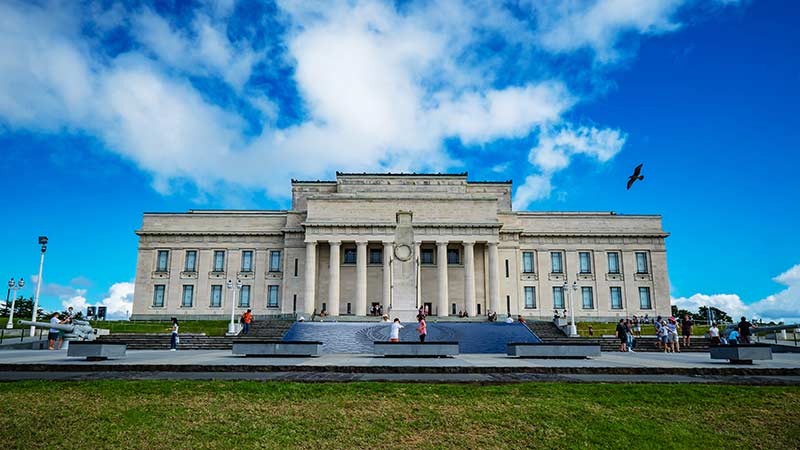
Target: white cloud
column 554, row 152
column 781, row 306
column 118, row 301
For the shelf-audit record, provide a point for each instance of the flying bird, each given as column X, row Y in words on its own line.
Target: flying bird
column 636, row 175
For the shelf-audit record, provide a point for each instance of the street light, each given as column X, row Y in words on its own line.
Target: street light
column 232, row 325
column 43, row 243
column 573, row 330
column 13, row 286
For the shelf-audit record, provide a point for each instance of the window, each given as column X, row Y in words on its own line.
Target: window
column 506, row 268
column 555, row 262
column 641, row 262
column 453, row 256
column 216, row 295
column 275, row 261
column 644, row 298
column 613, row 262
column 162, row 264
column 158, row 296
column 558, row 297
column 375, row 256
column 191, row 261
column 244, row 296
column 588, row 300
column 272, row 296
column 295, row 266
column 530, row 297
column 188, row 296
column 527, row 262
column 247, row 261
column 349, row 256
column 585, row 262
column 426, row 256
column 616, row 298
column 219, row 260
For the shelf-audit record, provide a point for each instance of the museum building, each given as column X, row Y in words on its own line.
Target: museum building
column 400, row 242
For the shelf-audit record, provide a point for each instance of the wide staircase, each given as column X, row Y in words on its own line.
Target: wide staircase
column 550, row 333
column 260, row 329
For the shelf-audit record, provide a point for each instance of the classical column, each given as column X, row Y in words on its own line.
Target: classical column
column 361, row 278
column 441, row 265
column 333, row 290
column 387, row 276
column 494, row 278
column 311, row 277
column 417, row 274
column 469, row 279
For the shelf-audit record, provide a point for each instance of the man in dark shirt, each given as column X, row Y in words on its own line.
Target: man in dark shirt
column 686, row 328
column 745, row 336
column 622, row 335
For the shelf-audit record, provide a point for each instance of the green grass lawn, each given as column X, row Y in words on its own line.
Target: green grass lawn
column 209, row 327
column 601, row 328
column 209, row 415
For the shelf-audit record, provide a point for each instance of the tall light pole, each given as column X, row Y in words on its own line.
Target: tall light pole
column 43, row 243
column 13, row 286
column 573, row 330
column 232, row 325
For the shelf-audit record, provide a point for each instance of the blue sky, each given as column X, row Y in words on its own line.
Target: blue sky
column 109, row 109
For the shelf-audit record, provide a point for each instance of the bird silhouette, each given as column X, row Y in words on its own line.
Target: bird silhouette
column 636, row 175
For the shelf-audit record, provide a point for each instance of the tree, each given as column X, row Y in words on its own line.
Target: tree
column 717, row 315
column 23, row 309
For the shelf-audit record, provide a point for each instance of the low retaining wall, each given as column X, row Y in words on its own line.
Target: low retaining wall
column 536, row 350
column 742, row 353
column 277, row 348
column 96, row 350
column 415, row 349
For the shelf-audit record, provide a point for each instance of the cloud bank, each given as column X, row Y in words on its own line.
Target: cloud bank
column 781, row 306
column 238, row 94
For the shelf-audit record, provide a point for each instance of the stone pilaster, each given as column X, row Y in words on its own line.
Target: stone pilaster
column 469, row 279
column 361, row 278
column 333, row 290
column 311, row 277
column 441, row 263
column 494, row 278
column 387, row 276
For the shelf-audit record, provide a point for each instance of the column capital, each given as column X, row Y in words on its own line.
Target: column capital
column 311, row 242
column 470, row 243
column 361, row 242
column 387, row 243
column 334, row 242
column 441, row 243
column 492, row 244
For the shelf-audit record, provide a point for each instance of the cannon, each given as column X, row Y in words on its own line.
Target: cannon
column 78, row 330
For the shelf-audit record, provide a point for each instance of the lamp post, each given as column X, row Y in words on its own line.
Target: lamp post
column 13, row 286
column 43, row 243
column 573, row 330
column 232, row 325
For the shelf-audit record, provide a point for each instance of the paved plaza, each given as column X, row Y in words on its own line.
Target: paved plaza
column 221, row 364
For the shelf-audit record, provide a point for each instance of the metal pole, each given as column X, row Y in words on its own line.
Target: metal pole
column 232, row 325
column 10, row 323
column 573, row 328
column 38, row 288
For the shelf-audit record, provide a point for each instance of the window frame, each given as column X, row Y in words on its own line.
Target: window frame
column 164, row 269
column 613, row 289
column 273, row 268
column 532, row 255
column 186, row 267
column 371, row 252
column 581, row 268
column 617, row 259
column 277, row 291
column 190, row 289
column 241, row 304
column 214, row 267
column 211, row 296
column 163, row 295
column 584, row 290
column 252, row 261
column 427, row 251
column 646, row 263
column 532, row 290
column 453, row 251
column 645, row 289
column 560, row 261
column 560, row 290
column 349, row 251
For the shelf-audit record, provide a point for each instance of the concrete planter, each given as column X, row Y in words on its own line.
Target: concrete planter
column 97, row 351
column 277, row 348
column 742, row 353
column 537, row 350
column 416, row 349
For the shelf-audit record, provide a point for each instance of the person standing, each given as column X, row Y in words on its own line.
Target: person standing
column 663, row 336
column 247, row 317
column 672, row 326
column 713, row 333
column 745, row 334
column 686, row 329
column 422, row 328
column 657, row 326
column 629, row 335
column 394, row 331
column 622, row 336
column 53, row 333
column 636, row 328
column 173, row 339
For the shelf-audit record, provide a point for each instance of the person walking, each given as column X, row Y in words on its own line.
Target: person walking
column 713, row 333
column 745, row 335
column 422, row 328
column 247, row 318
column 173, row 339
column 622, row 336
column 686, row 330
column 394, row 331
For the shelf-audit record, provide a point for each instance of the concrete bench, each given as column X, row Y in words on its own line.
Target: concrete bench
column 415, row 349
column 541, row 350
column 97, row 350
column 277, row 348
column 741, row 353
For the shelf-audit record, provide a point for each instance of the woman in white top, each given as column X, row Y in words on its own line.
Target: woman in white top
column 394, row 334
column 173, row 341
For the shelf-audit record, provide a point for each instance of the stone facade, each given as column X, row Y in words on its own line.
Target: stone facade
column 401, row 241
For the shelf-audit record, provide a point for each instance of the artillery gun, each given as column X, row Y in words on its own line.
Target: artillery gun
column 78, row 330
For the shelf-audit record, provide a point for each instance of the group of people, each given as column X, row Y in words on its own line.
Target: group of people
column 376, row 310
column 55, row 337
column 394, row 330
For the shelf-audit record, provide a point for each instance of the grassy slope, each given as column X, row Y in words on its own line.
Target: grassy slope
column 200, row 415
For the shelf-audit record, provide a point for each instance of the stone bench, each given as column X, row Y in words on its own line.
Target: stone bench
column 97, row 350
column 741, row 353
column 276, row 348
column 415, row 349
column 541, row 350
